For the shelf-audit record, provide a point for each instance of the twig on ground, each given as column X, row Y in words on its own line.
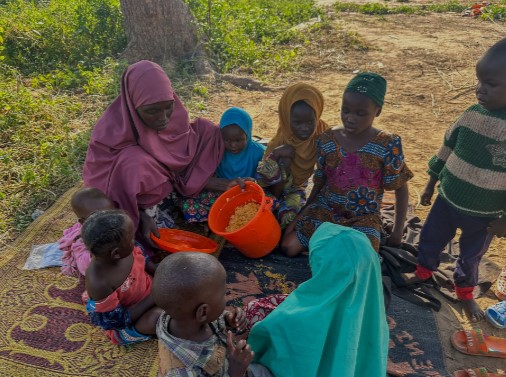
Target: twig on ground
column 438, row 112
column 49, row 192
column 441, row 74
column 418, row 197
column 464, row 90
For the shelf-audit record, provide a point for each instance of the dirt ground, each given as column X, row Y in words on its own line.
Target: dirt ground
column 429, row 63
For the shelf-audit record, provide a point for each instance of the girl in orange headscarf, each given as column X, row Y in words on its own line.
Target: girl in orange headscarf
column 291, row 155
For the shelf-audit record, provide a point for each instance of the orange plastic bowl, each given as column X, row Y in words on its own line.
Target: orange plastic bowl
column 175, row 240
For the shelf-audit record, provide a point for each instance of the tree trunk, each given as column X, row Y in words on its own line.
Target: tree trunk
column 163, row 31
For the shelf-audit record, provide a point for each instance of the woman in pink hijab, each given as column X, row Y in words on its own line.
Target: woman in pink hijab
column 144, row 147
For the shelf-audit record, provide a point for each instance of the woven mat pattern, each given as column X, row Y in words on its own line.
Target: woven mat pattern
column 415, row 347
column 45, row 329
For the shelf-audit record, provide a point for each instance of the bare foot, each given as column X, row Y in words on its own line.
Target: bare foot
column 472, row 310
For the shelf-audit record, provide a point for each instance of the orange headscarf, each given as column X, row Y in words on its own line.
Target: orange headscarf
column 305, row 150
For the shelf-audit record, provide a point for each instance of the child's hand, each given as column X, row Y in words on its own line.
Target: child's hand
column 146, row 227
column 394, row 240
column 236, row 319
column 150, row 267
column 239, row 356
column 425, row 198
column 284, row 151
column 497, row 227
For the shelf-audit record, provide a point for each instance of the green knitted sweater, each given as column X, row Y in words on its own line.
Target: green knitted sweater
column 471, row 164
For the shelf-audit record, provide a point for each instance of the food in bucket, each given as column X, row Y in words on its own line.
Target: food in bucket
column 242, row 215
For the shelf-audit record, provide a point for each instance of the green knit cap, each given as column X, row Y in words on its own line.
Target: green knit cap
column 369, row 84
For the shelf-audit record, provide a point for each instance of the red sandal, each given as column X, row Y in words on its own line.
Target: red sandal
column 473, row 342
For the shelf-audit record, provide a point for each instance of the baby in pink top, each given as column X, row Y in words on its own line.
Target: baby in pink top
column 76, row 257
column 118, row 289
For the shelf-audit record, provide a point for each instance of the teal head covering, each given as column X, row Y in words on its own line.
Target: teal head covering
column 369, row 84
column 334, row 324
column 244, row 163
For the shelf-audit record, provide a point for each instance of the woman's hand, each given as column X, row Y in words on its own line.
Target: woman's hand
column 223, row 184
column 146, row 227
column 240, row 181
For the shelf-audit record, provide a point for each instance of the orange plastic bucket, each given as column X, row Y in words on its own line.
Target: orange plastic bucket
column 260, row 235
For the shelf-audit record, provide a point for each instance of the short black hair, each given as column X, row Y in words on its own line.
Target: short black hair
column 103, row 230
column 497, row 51
column 181, row 280
column 85, row 194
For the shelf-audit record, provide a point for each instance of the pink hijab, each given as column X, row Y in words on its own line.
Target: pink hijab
column 137, row 166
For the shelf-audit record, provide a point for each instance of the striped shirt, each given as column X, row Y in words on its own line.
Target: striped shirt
column 471, row 163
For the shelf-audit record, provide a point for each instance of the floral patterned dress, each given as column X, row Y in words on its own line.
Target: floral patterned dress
column 353, row 185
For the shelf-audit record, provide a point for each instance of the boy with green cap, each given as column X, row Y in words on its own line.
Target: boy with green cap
column 356, row 163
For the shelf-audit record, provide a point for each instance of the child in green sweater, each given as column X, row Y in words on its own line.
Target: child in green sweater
column 471, row 169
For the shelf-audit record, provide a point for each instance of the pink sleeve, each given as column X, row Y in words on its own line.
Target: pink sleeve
column 82, row 256
column 66, row 243
column 69, row 235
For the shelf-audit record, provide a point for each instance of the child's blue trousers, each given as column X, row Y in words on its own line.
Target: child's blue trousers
column 440, row 228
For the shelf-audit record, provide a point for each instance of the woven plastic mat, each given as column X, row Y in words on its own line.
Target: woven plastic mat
column 415, row 348
column 45, row 329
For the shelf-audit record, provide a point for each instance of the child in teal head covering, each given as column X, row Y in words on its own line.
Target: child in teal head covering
column 334, row 324
column 242, row 154
column 240, row 160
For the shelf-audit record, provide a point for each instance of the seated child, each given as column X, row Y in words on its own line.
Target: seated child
column 192, row 338
column 333, row 324
column 242, row 154
column 118, row 289
column 291, row 155
column 355, row 164
column 240, row 160
column 471, row 170
column 76, row 257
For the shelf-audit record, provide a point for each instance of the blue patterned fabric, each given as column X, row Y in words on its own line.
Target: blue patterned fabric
column 129, row 336
column 118, row 322
column 115, row 319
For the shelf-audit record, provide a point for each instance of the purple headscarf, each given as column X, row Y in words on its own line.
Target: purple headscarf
column 137, row 166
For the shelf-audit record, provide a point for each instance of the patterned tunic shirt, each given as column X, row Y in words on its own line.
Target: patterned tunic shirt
column 353, row 183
